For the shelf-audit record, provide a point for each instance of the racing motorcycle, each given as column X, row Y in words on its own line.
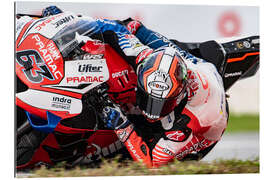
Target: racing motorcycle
column 66, row 75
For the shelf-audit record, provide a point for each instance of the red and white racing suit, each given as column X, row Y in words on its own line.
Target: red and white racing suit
column 195, row 127
column 201, row 124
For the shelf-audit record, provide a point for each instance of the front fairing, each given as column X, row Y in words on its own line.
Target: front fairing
column 51, row 63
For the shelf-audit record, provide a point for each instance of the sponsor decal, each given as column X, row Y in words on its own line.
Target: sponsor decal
column 26, row 59
column 158, row 86
column 53, row 51
column 255, row 41
column 150, row 116
column 193, row 84
column 167, row 151
column 85, row 79
column 134, row 42
column 92, row 56
column 82, row 82
column 49, row 54
column 94, row 153
column 244, row 44
column 46, row 21
column 131, row 149
column 61, row 102
column 195, row 147
column 89, row 68
column 119, row 74
column 123, row 134
column 64, row 20
column 161, row 74
column 227, row 75
column 175, row 135
column 106, row 21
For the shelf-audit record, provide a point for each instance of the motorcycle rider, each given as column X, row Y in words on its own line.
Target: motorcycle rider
column 181, row 96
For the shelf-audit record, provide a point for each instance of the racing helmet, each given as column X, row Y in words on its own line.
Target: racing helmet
column 162, row 82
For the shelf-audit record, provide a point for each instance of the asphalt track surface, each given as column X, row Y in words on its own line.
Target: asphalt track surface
column 242, row 146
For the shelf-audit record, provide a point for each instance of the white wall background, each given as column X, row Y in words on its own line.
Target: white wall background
column 184, row 23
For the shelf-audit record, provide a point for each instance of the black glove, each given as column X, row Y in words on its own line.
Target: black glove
column 114, row 119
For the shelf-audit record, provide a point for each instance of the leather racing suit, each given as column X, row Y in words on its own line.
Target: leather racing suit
column 195, row 125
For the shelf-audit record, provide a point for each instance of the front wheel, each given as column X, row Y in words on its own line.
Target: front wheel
column 28, row 140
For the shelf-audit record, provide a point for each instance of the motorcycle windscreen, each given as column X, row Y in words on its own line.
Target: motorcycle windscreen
column 71, row 38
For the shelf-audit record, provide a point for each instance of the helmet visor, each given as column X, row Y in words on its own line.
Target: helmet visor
column 153, row 107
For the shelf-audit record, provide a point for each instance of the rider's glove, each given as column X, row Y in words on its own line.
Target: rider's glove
column 51, row 10
column 132, row 25
column 114, row 119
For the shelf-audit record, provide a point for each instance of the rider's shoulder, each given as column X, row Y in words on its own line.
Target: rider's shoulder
column 202, row 83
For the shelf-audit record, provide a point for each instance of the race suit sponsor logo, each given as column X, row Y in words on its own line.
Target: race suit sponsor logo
column 49, row 54
column 64, row 20
column 158, row 86
column 227, row 75
column 167, row 151
column 175, row 135
column 123, row 134
column 119, row 74
column 106, row 21
column 61, row 102
column 85, row 79
column 132, row 150
column 89, row 68
column 193, row 84
column 195, row 147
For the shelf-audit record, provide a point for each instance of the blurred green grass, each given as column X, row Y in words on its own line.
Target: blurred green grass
column 130, row 168
column 243, row 123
